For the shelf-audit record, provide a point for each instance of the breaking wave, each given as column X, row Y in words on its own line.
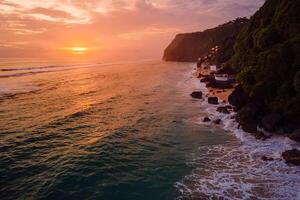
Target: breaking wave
column 236, row 170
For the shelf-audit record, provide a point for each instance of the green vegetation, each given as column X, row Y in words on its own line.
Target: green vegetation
column 267, row 59
column 264, row 52
column 188, row 47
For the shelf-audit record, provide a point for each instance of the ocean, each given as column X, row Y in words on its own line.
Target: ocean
column 127, row 130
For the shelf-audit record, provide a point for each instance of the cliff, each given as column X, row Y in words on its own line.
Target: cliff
column 267, row 61
column 188, row 47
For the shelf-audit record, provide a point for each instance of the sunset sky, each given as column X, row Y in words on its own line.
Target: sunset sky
column 107, row 29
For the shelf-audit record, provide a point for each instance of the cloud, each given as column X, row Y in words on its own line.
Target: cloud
column 50, row 12
column 113, row 25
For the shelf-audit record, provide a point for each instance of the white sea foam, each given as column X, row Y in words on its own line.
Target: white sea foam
column 236, row 170
column 11, row 82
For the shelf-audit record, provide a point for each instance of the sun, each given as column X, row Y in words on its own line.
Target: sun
column 79, row 50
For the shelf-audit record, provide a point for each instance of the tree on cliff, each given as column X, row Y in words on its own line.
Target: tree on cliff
column 188, row 47
column 267, row 59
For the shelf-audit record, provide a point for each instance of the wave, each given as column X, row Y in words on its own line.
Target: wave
column 11, row 95
column 27, row 73
column 237, row 171
column 33, row 68
column 39, row 70
column 43, row 67
column 34, row 72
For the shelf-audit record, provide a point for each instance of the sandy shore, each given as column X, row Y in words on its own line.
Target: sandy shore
column 222, row 94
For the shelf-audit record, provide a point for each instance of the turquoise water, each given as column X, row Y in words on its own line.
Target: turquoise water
column 99, row 131
column 126, row 131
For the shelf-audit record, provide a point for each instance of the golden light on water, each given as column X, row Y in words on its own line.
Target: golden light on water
column 79, row 50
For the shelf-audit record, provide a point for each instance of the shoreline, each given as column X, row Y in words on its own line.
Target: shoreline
column 244, row 169
column 229, row 124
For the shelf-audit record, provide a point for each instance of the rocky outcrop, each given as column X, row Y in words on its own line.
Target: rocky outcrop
column 295, row 135
column 249, row 126
column 197, row 95
column 292, row 156
column 206, row 119
column 188, row 47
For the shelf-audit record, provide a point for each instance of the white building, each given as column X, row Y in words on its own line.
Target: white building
column 213, row 68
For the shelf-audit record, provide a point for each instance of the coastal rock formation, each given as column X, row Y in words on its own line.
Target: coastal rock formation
column 292, row 156
column 249, row 126
column 246, row 117
column 197, row 95
column 213, row 100
column 270, row 122
column 188, row 47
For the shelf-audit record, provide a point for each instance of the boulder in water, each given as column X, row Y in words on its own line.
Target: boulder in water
column 295, row 135
column 206, row 119
column 265, row 158
column 220, row 84
column 249, row 126
column 197, row 95
column 223, row 109
column 217, row 121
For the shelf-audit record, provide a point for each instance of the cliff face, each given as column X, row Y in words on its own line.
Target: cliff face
column 188, row 47
column 267, row 59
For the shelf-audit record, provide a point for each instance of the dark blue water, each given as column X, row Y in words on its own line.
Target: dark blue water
column 124, row 131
